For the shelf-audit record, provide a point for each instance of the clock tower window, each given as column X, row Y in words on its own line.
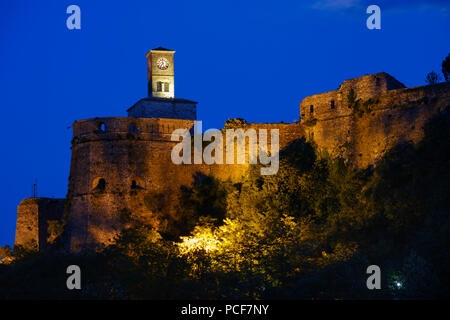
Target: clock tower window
column 162, row 86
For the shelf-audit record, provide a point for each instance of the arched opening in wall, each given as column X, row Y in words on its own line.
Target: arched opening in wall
column 99, row 184
column 133, row 128
column 137, row 184
column 377, row 81
column 100, row 127
column 311, row 109
column 332, row 104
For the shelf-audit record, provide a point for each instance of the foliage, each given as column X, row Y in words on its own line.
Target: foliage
column 351, row 98
column 155, row 201
column 5, row 251
column 310, row 122
column 55, row 230
column 433, row 78
column 206, row 197
column 357, row 105
column 360, row 107
column 236, row 123
column 446, row 68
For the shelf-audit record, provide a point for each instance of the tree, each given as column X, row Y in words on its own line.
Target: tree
column 5, row 251
column 433, row 78
column 446, row 68
column 237, row 123
column 206, row 197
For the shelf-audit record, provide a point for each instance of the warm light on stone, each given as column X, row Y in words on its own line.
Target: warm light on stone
column 118, row 162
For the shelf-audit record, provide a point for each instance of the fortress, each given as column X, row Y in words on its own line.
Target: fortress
column 122, row 166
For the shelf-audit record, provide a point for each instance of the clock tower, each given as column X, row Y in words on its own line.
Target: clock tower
column 160, row 73
column 161, row 101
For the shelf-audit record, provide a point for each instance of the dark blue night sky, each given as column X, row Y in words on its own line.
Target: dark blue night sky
column 251, row 59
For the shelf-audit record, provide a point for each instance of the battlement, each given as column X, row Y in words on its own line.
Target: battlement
column 370, row 86
column 363, row 119
column 370, row 92
column 116, row 128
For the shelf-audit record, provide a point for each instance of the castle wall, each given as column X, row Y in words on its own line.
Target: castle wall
column 370, row 86
column 119, row 157
column 362, row 134
column 366, row 87
column 123, row 150
column 32, row 217
column 121, row 166
column 288, row 132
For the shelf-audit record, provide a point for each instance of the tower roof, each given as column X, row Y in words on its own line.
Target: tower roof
column 160, row 49
column 164, row 100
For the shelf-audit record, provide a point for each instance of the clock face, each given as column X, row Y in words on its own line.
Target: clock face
column 162, row 63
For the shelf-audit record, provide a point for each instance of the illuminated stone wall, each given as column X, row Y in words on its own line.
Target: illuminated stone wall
column 32, row 217
column 114, row 154
column 386, row 114
column 132, row 155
